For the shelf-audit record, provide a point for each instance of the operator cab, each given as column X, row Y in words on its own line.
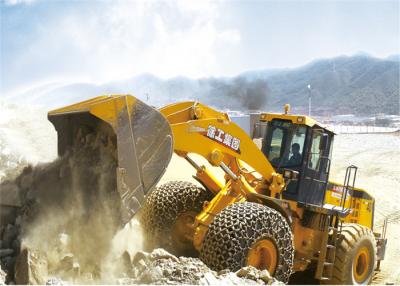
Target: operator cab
column 298, row 143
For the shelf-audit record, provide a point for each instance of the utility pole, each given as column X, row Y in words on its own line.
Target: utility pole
column 309, row 100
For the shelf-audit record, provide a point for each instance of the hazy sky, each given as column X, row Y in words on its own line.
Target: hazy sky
column 96, row 41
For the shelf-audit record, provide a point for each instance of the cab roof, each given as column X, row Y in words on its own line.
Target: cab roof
column 294, row 118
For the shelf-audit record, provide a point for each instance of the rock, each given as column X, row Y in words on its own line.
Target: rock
column 9, row 194
column 31, row 267
column 18, row 220
column 242, row 272
column 160, row 253
column 3, row 276
column 140, row 255
column 209, row 279
column 223, row 272
column 248, row 272
column 10, row 233
column 67, row 262
column 6, row 252
column 141, row 265
column 151, row 275
column 8, row 263
column 124, row 267
column 16, row 245
column 26, row 180
column 55, row 281
column 265, row 276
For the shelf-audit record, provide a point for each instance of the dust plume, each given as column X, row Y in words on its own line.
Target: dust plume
column 71, row 215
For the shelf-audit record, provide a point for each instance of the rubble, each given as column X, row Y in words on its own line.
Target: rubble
column 2, row 277
column 161, row 267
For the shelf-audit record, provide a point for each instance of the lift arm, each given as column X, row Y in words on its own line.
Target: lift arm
column 202, row 130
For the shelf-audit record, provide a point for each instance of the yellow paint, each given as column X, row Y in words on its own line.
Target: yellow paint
column 362, row 208
column 296, row 119
column 207, row 178
column 361, row 264
column 263, row 255
column 190, row 136
column 105, row 107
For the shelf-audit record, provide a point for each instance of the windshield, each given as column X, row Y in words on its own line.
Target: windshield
column 284, row 143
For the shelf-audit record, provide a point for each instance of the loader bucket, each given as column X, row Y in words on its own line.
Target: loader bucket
column 140, row 139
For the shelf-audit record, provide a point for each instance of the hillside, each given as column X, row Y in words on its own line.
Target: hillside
column 358, row 84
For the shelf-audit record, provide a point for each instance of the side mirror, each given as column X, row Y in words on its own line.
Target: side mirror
column 323, row 144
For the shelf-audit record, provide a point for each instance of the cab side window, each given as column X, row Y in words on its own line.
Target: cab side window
column 315, row 153
column 275, row 151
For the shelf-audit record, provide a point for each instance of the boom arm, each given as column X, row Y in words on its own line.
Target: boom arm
column 202, row 130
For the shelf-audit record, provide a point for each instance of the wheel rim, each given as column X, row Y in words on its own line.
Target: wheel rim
column 182, row 231
column 263, row 255
column 361, row 265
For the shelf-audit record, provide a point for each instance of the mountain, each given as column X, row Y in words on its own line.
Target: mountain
column 358, row 84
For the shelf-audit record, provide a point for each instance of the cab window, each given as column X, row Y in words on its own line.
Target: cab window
column 285, row 143
column 315, row 153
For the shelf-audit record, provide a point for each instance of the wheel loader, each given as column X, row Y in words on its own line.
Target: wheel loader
column 275, row 208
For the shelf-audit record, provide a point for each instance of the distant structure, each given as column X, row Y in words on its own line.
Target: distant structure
column 309, row 100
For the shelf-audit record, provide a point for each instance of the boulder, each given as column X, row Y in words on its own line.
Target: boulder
column 265, row 276
column 160, row 253
column 31, row 267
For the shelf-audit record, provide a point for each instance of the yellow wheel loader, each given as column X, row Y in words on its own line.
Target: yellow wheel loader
column 275, row 208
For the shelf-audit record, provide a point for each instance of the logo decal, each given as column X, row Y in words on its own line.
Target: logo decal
column 221, row 136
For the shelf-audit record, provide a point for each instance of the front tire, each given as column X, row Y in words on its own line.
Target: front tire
column 249, row 234
column 168, row 214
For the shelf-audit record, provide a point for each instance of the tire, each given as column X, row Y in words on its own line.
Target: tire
column 163, row 208
column 238, row 228
column 354, row 245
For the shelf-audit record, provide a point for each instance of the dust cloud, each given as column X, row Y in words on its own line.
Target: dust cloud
column 70, row 214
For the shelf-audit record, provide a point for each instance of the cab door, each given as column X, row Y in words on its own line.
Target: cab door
column 316, row 168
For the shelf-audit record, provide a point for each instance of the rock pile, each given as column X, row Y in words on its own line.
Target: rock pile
column 161, row 267
column 10, row 240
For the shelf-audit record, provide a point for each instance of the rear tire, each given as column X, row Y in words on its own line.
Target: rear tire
column 239, row 229
column 167, row 212
column 355, row 256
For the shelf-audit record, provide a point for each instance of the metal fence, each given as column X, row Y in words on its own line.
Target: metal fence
column 362, row 129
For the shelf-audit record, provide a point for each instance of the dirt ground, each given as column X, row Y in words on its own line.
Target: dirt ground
column 377, row 156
